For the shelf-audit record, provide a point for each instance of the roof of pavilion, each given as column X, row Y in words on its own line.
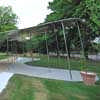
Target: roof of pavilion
column 41, row 27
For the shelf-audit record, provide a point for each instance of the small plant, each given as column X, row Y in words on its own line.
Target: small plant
column 88, row 77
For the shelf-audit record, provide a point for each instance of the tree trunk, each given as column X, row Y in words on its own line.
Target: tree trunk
column 68, row 46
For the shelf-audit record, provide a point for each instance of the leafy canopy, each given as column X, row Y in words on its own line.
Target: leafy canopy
column 8, row 21
column 87, row 9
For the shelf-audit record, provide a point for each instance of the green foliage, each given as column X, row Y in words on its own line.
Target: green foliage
column 35, row 42
column 89, row 10
column 8, row 20
column 3, row 56
column 3, row 35
column 97, row 46
column 84, row 9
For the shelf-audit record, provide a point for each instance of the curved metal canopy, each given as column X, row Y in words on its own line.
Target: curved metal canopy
column 14, row 34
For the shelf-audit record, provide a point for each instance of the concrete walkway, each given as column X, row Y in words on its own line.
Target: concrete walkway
column 50, row 73
column 4, row 78
column 41, row 72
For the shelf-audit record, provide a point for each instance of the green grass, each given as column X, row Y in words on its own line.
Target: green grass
column 28, row 88
column 3, row 56
column 19, row 88
column 60, row 90
column 76, row 64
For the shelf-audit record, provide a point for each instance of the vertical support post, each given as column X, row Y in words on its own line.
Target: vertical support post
column 32, row 46
column 13, row 46
column 81, row 41
column 7, row 49
column 0, row 44
column 15, row 55
column 58, row 61
column 23, row 53
column 63, row 29
column 16, row 51
column 38, row 52
column 17, row 44
column 47, row 46
column 7, row 46
column 12, row 51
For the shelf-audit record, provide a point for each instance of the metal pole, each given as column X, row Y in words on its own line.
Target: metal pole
column 15, row 51
column 81, row 41
column 12, row 50
column 80, row 36
column 7, row 49
column 47, row 47
column 66, row 49
column 31, row 48
column 58, row 60
column 23, row 53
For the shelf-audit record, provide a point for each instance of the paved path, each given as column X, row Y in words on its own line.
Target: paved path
column 4, row 78
column 19, row 68
column 41, row 72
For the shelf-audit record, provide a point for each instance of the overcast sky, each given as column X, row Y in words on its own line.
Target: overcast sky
column 30, row 12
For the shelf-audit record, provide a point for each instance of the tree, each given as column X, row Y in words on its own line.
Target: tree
column 35, row 43
column 84, row 9
column 8, row 19
column 8, row 22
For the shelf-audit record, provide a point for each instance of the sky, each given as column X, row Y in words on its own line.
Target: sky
column 29, row 12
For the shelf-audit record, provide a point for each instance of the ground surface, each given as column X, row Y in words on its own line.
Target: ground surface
column 28, row 88
column 75, row 64
column 3, row 56
column 41, row 72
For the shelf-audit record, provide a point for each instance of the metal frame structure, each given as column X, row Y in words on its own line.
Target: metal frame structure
column 15, row 33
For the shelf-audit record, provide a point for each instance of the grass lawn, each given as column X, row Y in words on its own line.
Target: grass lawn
column 3, row 56
column 76, row 64
column 28, row 88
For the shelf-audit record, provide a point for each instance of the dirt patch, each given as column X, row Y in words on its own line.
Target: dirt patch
column 3, row 66
column 9, row 60
column 57, row 96
column 40, row 96
column 40, row 91
column 4, row 63
column 81, row 97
